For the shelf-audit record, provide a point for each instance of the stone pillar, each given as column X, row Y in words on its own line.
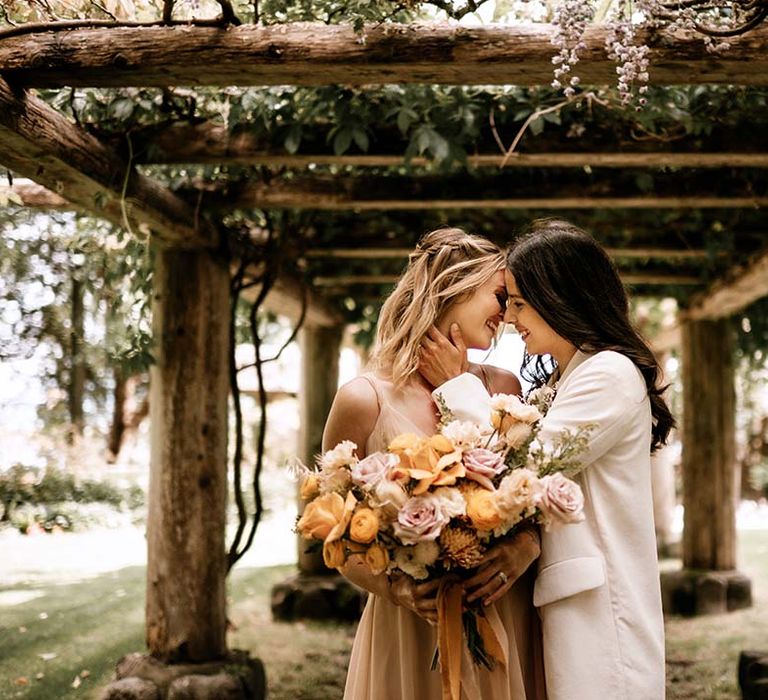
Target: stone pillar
column 709, row 446
column 708, row 582
column 320, row 348
column 316, row 592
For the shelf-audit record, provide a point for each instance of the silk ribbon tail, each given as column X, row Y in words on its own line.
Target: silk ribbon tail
column 450, row 637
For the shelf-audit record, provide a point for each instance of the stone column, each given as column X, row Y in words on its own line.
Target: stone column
column 320, row 348
column 708, row 582
column 316, row 592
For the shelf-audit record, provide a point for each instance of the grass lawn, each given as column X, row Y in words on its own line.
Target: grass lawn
column 88, row 625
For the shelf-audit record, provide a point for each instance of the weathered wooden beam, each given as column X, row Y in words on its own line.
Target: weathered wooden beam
column 286, row 299
column 366, row 253
column 627, row 278
column 734, row 291
column 38, row 142
column 314, row 54
column 29, row 194
column 503, row 191
column 210, row 143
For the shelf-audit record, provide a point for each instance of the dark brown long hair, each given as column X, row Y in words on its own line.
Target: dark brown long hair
column 563, row 273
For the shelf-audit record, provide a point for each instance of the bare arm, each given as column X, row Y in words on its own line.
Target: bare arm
column 352, row 417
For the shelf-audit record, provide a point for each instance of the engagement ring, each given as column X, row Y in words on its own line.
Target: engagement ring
column 502, row 576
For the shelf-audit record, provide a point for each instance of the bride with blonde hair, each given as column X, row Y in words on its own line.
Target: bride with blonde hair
column 455, row 282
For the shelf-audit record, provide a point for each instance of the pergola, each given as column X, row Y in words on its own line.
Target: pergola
column 377, row 218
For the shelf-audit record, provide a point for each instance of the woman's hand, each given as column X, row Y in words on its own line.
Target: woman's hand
column 420, row 598
column 441, row 359
column 502, row 565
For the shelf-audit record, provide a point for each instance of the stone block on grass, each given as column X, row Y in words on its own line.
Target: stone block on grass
column 130, row 689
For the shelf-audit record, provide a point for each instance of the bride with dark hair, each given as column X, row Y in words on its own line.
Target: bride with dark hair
column 597, row 588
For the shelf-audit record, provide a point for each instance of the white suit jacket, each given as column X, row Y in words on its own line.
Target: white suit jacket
column 597, row 587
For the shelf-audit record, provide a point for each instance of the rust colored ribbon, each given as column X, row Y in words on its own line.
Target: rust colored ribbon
column 450, row 635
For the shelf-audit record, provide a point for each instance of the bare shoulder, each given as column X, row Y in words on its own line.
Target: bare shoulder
column 503, row 381
column 353, row 414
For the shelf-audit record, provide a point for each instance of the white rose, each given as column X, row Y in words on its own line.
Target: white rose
column 343, row 455
column 389, row 496
column 450, row 501
column 517, row 434
column 463, row 434
column 414, row 560
column 511, row 405
column 518, row 496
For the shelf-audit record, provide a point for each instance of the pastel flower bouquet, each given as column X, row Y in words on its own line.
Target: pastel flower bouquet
column 430, row 506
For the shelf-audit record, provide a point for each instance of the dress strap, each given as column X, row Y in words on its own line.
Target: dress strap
column 368, row 378
column 486, row 379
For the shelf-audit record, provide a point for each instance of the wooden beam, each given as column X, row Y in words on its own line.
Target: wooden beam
column 734, row 291
column 315, row 54
column 285, row 299
column 627, row 278
column 210, row 143
column 38, row 142
column 365, row 253
column 26, row 193
column 505, row 190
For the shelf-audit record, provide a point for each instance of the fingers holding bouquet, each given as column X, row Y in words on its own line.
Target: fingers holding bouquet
column 502, row 565
column 420, row 598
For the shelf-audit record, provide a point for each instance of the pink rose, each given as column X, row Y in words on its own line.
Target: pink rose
column 420, row 519
column 561, row 500
column 482, row 465
column 369, row 471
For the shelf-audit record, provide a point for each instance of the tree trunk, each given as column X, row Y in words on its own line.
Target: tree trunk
column 77, row 360
column 117, row 428
column 320, row 378
column 709, row 447
column 185, row 615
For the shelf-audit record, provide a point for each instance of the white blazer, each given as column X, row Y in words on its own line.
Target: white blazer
column 597, row 588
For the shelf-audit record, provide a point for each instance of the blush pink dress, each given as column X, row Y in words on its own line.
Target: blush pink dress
column 393, row 647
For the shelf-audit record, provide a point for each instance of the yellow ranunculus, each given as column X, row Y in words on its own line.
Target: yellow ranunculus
column 326, row 517
column 483, row 510
column 310, row 487
column 334, row 554
column 364, row 526
column 377, row 558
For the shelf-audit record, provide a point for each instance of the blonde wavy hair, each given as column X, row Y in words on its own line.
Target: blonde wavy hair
column 446, row 266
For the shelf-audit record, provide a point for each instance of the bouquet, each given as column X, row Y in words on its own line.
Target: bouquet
column 430, row 506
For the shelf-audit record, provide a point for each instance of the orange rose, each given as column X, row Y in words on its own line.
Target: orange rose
column 377, row 558
column 482, row 509
column 326, row 517
column 364, row 526
column 334, row 554
column 310, row 487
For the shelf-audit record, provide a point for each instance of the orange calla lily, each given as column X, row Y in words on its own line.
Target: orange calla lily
column 431, row 461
